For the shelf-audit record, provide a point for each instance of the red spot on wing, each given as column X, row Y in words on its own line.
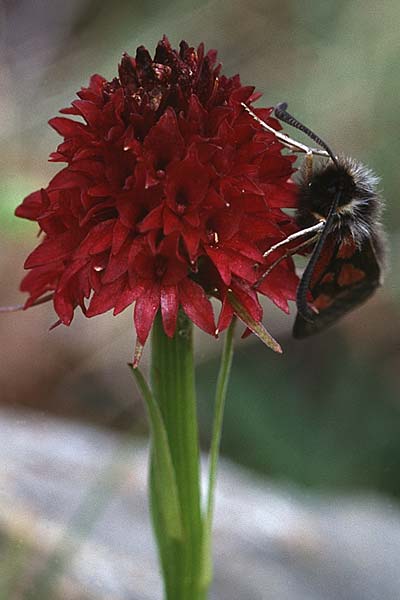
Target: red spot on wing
column 324, row 260
column 328, row 277
column 349, row 275
column 347, row 249
column 322, row 301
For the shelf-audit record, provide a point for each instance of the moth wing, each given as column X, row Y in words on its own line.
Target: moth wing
column 344, row 277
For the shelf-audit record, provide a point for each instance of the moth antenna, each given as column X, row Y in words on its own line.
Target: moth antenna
column 282, row 114
column 290, row 143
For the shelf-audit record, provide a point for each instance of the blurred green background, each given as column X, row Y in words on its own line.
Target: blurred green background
column 326, row 414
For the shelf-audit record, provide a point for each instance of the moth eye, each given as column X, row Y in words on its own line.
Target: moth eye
column 331, row 190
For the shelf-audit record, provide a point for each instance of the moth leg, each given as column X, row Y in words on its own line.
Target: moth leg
column 294, row 236
column 288, row 253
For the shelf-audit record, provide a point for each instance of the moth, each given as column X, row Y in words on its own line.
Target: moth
column 339, row 212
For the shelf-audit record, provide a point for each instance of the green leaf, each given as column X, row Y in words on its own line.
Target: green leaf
column 220, row 397
column 164, row 473
column 255, row 326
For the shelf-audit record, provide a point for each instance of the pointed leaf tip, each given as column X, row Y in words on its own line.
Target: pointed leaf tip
column 137, row 355
column 255, row 326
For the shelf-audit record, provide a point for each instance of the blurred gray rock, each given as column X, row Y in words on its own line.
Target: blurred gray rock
column 74, row 525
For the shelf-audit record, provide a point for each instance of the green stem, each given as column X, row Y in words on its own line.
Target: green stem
column 220, row 396
column 173, row 386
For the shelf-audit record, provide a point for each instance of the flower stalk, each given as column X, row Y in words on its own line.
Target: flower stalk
column 173, row 386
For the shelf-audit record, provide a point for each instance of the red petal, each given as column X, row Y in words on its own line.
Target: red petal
column 146, row 308
column 69, row 272
column 275, row 167
column 52, row 250
column 98, row 239
column 33, row 205
column 40, row 280
column 63, row 307
column 66, row 179
column 91, row 166
column 127, row 297
column 67, row 128
column 222, row 263
column 246, row 249
column 195, row 118
column 117, row 265
column 164, row 140
column 169, row 308
column 196, row 305
column 281, row 195
column 186, row 180
column 280, row 285
column 242, row 266
column 241, row 94
column 89, row 111
column 153, row 220
column 192, row 241
column 100, row 190
column 120, row 233
column 128, row 211
column 106, row 298
column 69, row 110
column 171, row 221
column 225, row 315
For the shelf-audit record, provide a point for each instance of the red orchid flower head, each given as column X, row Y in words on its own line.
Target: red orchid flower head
column 171, row 194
